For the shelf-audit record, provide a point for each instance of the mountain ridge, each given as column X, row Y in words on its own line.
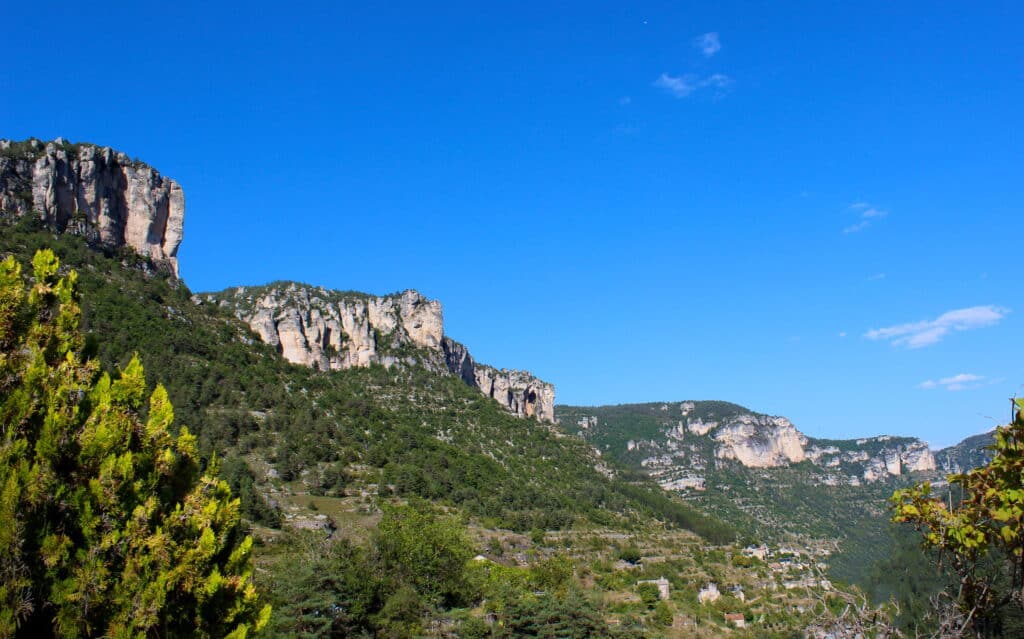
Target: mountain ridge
column 759, row 440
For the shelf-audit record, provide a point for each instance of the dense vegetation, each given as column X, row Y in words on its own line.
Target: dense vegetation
column 418, row 560
column 107, row 525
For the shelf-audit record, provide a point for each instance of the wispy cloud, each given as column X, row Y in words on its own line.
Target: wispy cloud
column 625, row 100
column 963, row 381
column 708, row 44
column 928, row 332
column 867, row 214
column 876, row 277
column 716, row 80
column 684, row 85
column 680, row 86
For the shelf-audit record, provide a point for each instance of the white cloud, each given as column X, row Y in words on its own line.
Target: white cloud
column 679, row 86
column 963, row 381
column 708, row 44
column 867, row 214
column 876, row 277
column 842, row 334
column 684, row 85
column 928, row 332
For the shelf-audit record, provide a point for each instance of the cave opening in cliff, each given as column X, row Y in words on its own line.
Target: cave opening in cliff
column 531, row 402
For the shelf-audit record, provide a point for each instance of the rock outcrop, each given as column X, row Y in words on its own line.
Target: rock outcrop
column 94, row 191
column 518, row 391
column 322, row 329
column 760, row 441
column 333, row 330
column 873, row 458
column 115, row 202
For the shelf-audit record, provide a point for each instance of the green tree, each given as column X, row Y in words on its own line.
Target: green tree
column 980, row 540
column 107, row 525
column 426, row 550
column 649, row 594
column 320, row 588
column 551, row 574
column 662, row 614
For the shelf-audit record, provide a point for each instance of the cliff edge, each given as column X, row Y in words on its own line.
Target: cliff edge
column 96, row 192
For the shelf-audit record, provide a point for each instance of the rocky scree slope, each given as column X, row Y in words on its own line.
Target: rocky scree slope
column 336, row 330
column 95, row 192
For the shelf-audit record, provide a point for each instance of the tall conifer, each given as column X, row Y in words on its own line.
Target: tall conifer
column 107, row 525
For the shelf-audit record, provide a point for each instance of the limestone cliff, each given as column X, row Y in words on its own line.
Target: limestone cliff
column 874, row 458
column 330, row 330
column 94, row 191
column 518, row 391
column 334, row 330
column 760, row 441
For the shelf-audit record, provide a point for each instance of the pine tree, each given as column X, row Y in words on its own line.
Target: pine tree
column 107, row 525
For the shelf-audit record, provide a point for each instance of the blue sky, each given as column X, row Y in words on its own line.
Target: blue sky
column 812, row 209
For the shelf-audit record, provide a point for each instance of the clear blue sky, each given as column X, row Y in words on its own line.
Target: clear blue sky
column 638, row 202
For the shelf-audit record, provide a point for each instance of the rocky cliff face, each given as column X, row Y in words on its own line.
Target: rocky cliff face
column 874, row 458
column 331, row 331
column 334, row 330
column 95, row 191
column 760, row 441
column 115, row 201
column 518, row 391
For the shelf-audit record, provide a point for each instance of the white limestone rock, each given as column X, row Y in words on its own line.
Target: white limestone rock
column 700, row 427
column 759, row 441
column 97, row 192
